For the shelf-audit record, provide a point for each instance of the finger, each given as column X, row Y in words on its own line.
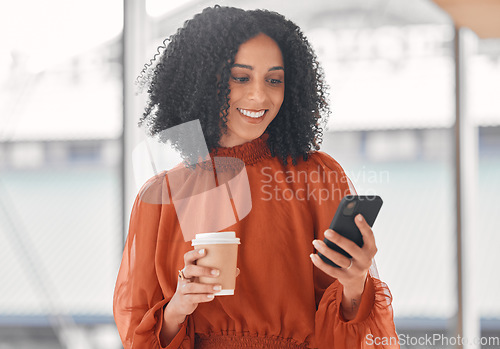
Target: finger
column 328, row 269
column 191, row 256
column 199, row 298
column 344, row 243
column 336, row 257
column 193, row 270
column 367, row 233
column 199, row 288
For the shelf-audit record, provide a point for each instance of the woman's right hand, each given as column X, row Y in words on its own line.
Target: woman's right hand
column 190, row 293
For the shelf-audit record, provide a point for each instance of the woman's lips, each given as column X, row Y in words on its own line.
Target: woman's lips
column 252, row 116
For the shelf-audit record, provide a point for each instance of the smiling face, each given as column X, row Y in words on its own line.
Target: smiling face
column 257, row 86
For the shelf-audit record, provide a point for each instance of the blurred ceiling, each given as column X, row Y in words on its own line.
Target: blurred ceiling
column 332, row 14
column 482, row 16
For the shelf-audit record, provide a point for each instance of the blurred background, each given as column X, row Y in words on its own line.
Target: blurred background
column 68, row 109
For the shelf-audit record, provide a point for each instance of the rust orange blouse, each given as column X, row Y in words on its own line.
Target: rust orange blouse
column 281, row 299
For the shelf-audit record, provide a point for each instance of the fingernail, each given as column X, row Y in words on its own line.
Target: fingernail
column 328, row 234
column 311, row 256
column 210, row 296
column 217, row 288
column 202, row 251
column 315, row 243
column 214, row 272
column 359, row 217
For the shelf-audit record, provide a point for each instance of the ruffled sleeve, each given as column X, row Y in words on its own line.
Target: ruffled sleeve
column 373, row 326
column 139, row 300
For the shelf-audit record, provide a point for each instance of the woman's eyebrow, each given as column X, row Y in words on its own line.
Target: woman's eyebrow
column 236, row 65
column 244, row 66
column 277, row 68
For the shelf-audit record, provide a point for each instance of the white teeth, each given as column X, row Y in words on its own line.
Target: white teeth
column 252, row 114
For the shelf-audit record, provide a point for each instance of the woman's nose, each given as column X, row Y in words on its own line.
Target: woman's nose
column 257, row 92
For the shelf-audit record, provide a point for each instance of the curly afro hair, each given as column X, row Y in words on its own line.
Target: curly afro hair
column 189, row 80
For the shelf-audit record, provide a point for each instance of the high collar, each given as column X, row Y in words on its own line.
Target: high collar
column 250, row 152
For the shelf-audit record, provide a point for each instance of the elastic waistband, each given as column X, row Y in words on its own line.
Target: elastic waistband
column 218, row 341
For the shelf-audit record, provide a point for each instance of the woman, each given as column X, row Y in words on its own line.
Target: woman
column 253, row 82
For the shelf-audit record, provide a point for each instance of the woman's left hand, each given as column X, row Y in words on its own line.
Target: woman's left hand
column 353, row 271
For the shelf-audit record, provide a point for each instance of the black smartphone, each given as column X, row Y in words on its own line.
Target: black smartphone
column 343, row 221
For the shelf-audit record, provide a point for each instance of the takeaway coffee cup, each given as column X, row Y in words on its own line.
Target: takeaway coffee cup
column 221, row 252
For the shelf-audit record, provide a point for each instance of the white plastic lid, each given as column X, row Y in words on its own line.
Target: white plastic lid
column 223, row 237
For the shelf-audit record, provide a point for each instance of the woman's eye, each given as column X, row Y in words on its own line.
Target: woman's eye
column 239, row 79
column 275, row 81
